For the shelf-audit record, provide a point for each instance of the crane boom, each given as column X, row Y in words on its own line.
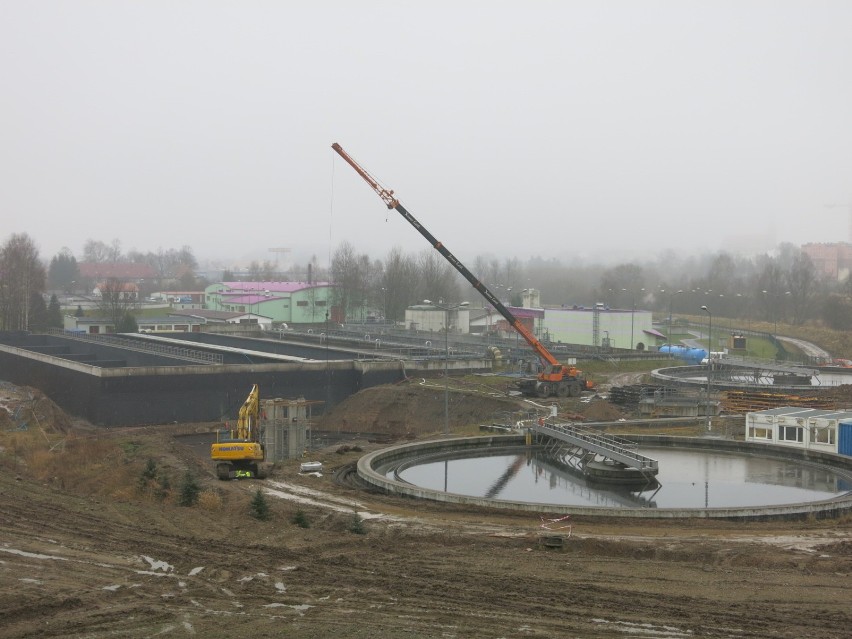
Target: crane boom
column 393, row 203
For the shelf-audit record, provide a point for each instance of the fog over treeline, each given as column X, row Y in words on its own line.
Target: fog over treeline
column 783, row 285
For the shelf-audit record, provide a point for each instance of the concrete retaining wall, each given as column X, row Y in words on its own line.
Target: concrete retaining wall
column 476, row 445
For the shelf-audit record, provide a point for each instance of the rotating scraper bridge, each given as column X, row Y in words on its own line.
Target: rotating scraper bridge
column 583, row 447
column 741, row 372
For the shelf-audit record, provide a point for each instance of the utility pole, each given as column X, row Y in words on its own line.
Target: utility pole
column 447, row 309
column 709, row 359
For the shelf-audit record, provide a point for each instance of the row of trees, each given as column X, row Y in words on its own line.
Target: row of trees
column 166, row 263
column 783, row 286
column 178, row 265
column 24, row 279
column 22, row 276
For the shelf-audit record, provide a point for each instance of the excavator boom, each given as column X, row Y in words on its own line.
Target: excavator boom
column 247, row 420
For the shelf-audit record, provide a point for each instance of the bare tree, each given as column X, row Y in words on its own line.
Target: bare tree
column 399, row 285
column 97, row 251
column 350, row 274
column 21, row 275
column 437, row 278
column 118, row 298
column 801, row 282
column 770, row 289
column 622, row 285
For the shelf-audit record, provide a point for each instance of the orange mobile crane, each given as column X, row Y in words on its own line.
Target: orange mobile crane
column 558, row 379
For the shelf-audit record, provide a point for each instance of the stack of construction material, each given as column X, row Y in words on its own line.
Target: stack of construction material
column 751, row 401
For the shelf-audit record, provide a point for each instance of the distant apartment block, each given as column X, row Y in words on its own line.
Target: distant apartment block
column 832, row 260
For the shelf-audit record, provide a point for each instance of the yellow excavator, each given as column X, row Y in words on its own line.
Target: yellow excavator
column 240, row 455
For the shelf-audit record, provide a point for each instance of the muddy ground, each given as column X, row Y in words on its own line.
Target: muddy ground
column 94, row 543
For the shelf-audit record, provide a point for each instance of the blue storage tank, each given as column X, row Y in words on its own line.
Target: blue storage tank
column 844, row 437
column 692, row 355
column 677, row 351
column 695, row 355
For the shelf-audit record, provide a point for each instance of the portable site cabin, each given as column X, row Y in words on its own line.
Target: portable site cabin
column 823, row 430
column 844, row 437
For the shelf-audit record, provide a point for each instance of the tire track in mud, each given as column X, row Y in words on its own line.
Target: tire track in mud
column 410, row 579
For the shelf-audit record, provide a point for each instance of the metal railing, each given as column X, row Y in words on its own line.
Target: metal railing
column 610, row 446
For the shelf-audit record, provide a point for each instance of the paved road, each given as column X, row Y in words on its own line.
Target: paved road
column 809, row 349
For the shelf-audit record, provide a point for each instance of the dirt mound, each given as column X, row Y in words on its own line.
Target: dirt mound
column 411, row 410
column 23, row 408
column 600, row 410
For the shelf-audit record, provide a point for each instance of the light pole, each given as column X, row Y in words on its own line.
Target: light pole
column 632, row 312
column 709, row 358
column 671, row 300
column 447, row 309
column 384, row 305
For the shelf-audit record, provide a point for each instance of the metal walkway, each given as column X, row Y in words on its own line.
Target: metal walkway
column 594, row 443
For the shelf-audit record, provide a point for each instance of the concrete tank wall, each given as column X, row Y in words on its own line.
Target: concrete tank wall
column 191, row 393
column 839, row 506
column 158, row 394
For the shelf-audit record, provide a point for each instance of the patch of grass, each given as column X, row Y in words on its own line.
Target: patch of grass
column 209, row 500
column 130, row 448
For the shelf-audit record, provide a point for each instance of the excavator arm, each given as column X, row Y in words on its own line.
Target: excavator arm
column 247, row 420
column 393, row 203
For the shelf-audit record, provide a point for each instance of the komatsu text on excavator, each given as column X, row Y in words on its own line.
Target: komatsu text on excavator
column 558, row 379
column 241, row 453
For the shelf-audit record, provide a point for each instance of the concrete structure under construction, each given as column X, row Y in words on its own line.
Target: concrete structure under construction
column 135, row 379
column 284, row 424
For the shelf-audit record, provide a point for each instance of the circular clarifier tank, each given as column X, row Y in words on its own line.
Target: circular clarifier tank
column 697, row 478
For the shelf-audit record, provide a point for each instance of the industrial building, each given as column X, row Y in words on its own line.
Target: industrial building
column 588, row 326
column 431, row 317
column 287, row 302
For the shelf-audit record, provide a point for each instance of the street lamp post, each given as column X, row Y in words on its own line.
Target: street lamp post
column 632, row 313
column 671, row 300
column 447, row 309
column 709, row 358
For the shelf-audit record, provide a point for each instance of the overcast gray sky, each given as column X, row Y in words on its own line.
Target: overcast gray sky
column 598, row 129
